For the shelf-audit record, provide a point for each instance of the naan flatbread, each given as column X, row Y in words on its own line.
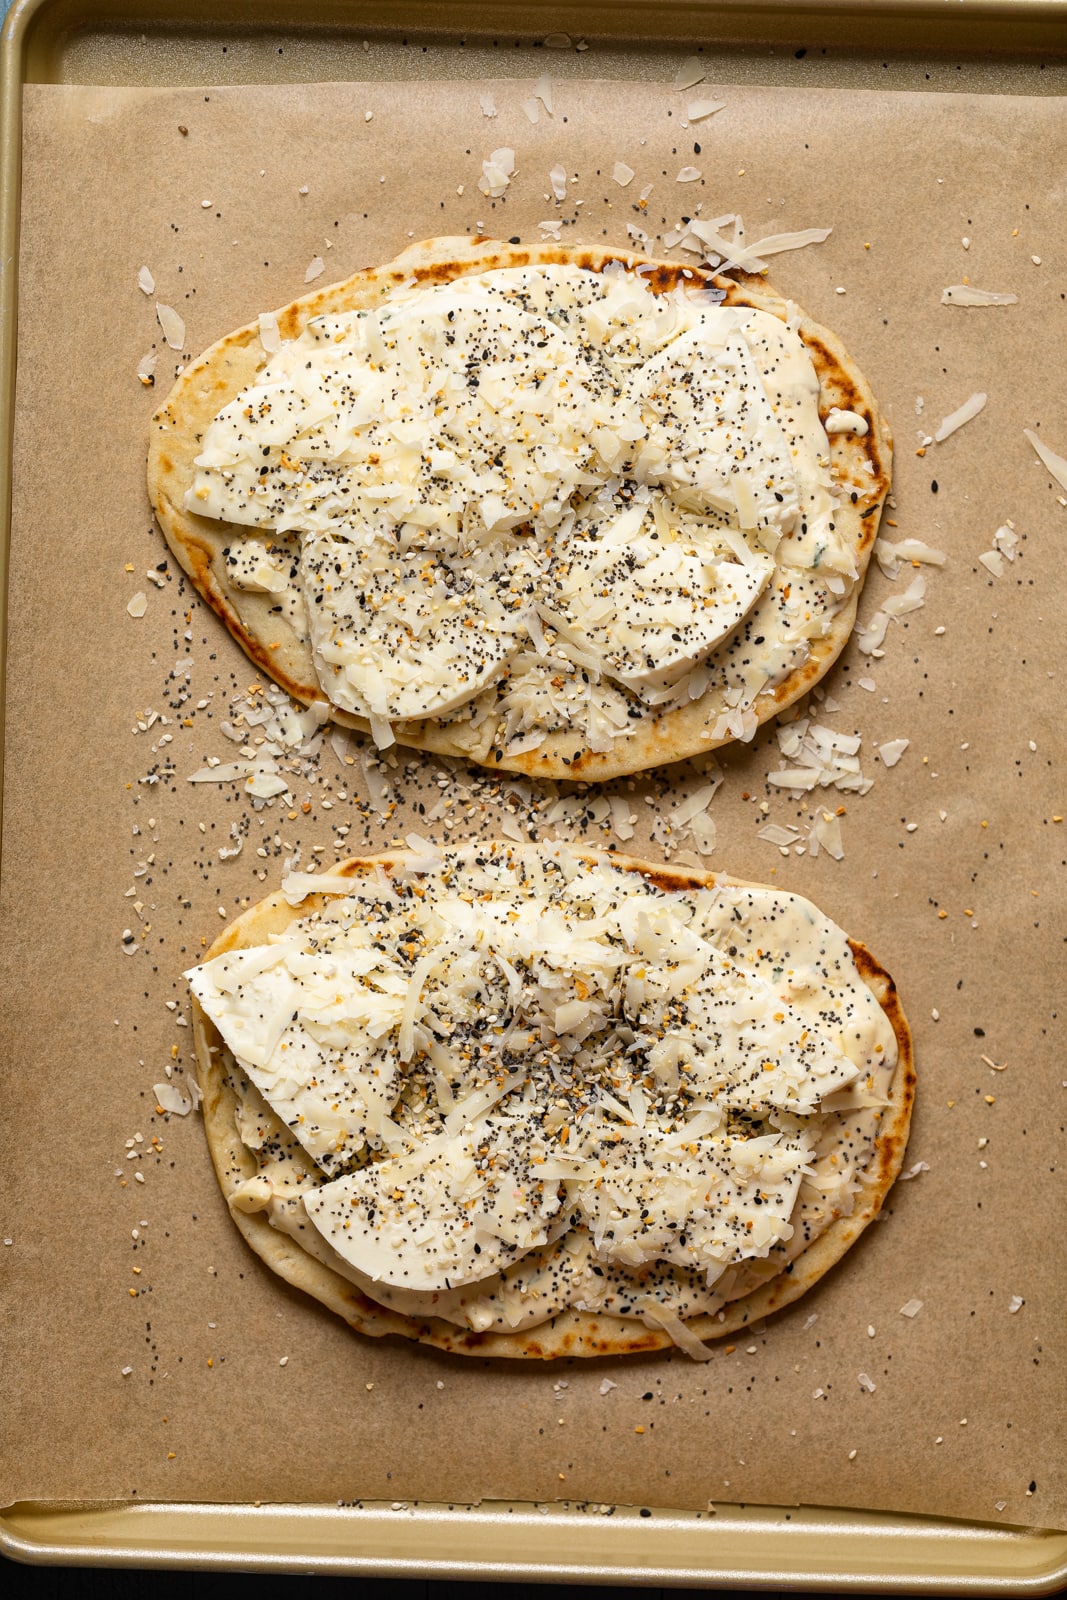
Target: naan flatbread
column 548, row 680
column 767, row 968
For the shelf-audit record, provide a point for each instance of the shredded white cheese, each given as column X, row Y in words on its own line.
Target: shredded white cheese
column 891, row 557
column 1056, row 465
column 892, row 750
column 543, row 92
column 437, row 1164
column 955, row 419
column 965, row 294
column 1006, row 540
column 655, row 532
column 660, row 1316
column 775, row 243
column 269, row 336
column 176, row 1100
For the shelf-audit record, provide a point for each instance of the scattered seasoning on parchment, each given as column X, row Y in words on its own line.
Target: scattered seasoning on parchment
column 577, row 806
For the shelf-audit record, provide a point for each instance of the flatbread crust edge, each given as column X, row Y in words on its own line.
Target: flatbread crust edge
column 569, row 1333
column 861, row 464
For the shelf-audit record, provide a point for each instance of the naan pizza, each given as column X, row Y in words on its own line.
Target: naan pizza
column 562, row 511
column 532, row 1101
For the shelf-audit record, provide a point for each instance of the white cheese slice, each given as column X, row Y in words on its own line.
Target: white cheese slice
column 754, row 1050
column 460, row 401
column 652, row 600
column 312, row 1033
column 454, row 1215
column 701, row 1203
column 397, row 635
column 792, row 387
column 713, row 437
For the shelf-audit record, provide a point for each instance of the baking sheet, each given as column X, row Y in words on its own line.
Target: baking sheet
column 204, row 1331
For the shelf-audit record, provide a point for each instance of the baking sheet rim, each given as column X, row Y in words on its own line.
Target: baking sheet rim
column 218, row 1536
column 498, row 1541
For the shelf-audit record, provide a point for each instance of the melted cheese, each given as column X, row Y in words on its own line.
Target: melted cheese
column 469, row 463
column 553, row 1051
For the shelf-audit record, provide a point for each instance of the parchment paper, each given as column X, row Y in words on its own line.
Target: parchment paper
column 146, row 1353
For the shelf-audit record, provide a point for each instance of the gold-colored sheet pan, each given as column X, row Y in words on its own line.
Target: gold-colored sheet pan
column 736, row 1547
column 984, row 46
